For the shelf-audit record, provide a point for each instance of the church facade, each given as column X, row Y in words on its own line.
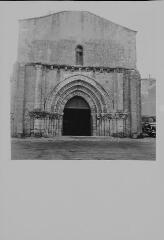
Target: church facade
column 75, row 75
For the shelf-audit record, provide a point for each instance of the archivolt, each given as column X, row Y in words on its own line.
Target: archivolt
column 60, row 106
column 79, row 85
column 84, row 92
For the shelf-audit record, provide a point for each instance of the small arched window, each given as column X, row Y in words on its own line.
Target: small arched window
column 79, row 55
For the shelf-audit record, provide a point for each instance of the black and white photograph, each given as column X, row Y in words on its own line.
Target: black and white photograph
column 82, row 87
column 82, row 120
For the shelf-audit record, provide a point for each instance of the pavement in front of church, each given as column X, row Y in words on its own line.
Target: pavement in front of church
column 83, row 148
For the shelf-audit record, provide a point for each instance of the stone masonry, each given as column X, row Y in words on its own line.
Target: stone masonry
column 46, row 75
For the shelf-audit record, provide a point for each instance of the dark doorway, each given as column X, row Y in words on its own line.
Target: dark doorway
column 76, row 119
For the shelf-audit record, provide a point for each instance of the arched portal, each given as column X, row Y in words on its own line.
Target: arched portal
column 77, row 117
column 90, row 101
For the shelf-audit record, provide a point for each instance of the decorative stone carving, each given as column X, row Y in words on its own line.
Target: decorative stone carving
column 116, row 115
column 119, row 115
column 38, row 114
column 83, row 68
column 95, row 91
column 105, row 119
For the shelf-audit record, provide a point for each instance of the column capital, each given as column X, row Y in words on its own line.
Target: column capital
column 38, row 66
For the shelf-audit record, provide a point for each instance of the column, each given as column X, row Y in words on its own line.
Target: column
column 115, row 87
column 120, row 125
column 60, row 125
column 38, row 82
column 139, row 105
column 106, row 126
column 111, row 126
column 114, row 123
column 127, row 106
column 135, row 103
column 98, row 124
column 102, row 124
column 93, row 116
column 119, row 91
column 37, row 102
column 109, row 122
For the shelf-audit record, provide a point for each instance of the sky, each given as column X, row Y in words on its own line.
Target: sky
column 144, row 17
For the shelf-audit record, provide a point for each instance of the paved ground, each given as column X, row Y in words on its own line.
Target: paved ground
column 84, row 148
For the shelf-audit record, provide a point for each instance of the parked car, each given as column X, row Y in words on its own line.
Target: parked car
column 149, row 128
column 153, row 129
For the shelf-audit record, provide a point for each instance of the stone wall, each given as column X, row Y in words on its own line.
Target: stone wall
column 46, row 74
column 36, row 83
column 53, row 39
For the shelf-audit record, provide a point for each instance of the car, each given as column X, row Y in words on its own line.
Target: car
column 153, row 129
column 149, row 128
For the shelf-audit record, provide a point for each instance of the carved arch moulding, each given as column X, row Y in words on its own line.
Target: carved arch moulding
column 79, row 85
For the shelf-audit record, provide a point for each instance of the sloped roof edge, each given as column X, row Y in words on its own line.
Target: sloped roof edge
column 54, row 13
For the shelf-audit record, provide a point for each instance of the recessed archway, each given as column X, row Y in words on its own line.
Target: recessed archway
column 77, row 117
column 97, row 99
